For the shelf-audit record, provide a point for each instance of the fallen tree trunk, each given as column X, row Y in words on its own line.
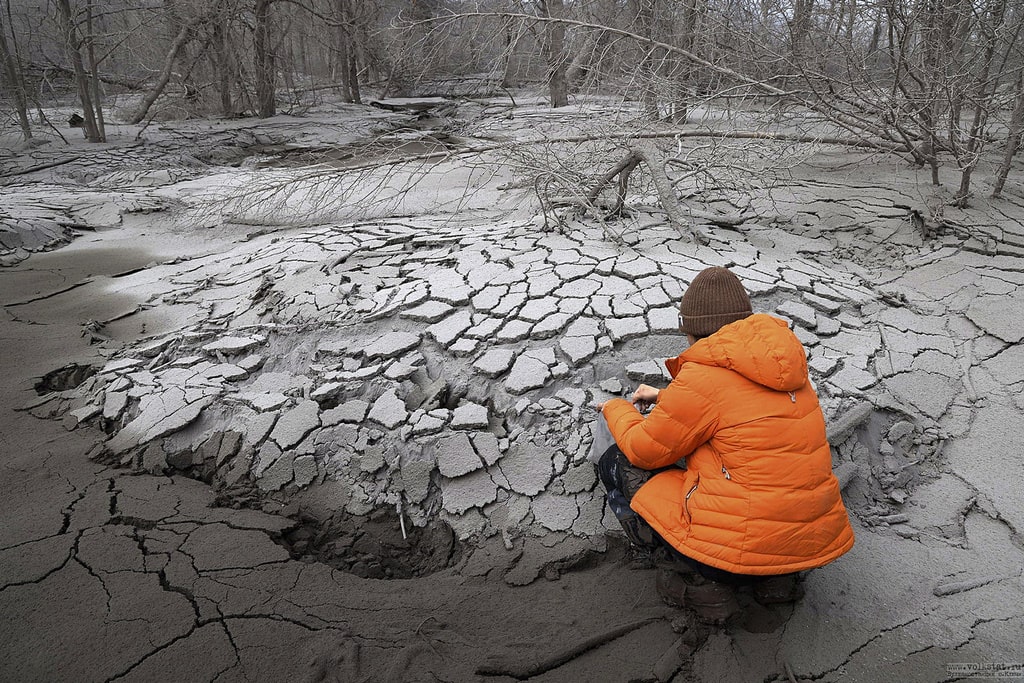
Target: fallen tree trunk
column 626, row 139
column 622, row 170
column 669, row 201
column 682, row 217
column 165, row 74
column 103, row 78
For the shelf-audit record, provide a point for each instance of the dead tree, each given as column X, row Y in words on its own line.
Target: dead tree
column 349, row 33
column 266, row 68
column 554, row 52
column 621, row 171
column 647, row 68
column 990, row 26
column 74, row 43
column 223, row 62
column 1013, row 135
column 90, row 53
column 16, row 80
column 184, row 35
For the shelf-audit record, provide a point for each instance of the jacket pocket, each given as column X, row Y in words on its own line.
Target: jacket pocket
column 686, row 501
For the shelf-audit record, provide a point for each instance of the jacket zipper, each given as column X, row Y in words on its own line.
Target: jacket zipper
column 725, row 472
column 686, row 501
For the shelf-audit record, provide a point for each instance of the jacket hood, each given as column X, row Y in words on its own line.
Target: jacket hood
column 760, row 347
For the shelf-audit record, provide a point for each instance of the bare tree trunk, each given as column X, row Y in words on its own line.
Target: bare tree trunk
column 648, row 71
column 223, row 65
column 97, row 95
column 505, row 61
column 264, row 57
column 74, row 45
column 17, row 81
column 681, row 70
column 801, row 28
column 678, row 215
column 110, row 79
column 353, row 78
column 342, row 52
column 554, row 52
column 674, row 210
column 993, row 22
column 165, row 74
column 929, row 116
column 851, row 22
column 348, row 53
column 346, row 69
column 622, row 170
column 587, row 61
column 876, row 33
column 1012, row 138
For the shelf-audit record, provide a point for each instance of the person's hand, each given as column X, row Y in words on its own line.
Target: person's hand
column 599, row 407
column 645, row 396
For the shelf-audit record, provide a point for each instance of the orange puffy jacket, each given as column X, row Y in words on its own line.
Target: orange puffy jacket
column 758, row 495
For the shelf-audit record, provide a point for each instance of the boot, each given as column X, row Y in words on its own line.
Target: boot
column 671, row 587
column 712, row 602
column 775, row 590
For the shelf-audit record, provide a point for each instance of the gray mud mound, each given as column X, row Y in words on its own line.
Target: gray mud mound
column 447, row 372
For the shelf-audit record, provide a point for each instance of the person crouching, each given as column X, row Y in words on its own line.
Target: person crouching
column 757, row 501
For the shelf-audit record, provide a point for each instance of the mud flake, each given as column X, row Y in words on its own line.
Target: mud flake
column 555, row 512
column 527, row 468
column 931, row 393
column 429, row 312
column 494, row 362
column 1000, row 316
column 232, row 345
column 469, row 416
column 456, row 456
column 294, row 425
column 388, row 410
column 624, row 329
column 527, row 373
column 392, row 345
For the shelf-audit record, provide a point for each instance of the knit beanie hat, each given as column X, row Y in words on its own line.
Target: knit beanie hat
column 714, row 298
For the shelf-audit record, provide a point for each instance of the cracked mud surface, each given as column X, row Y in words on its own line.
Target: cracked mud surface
column 267, row 415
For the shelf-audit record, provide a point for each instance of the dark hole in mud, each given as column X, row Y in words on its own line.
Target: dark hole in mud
column 329, row 402
column 62, row 379
column 374, row 546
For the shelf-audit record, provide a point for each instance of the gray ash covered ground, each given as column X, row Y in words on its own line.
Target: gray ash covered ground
column 281, row 420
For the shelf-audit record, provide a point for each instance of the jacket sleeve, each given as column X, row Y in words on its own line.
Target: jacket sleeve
column 681, row 420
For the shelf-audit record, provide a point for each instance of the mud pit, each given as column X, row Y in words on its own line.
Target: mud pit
column 375, row 547
column 266, row 415
column 65, row 378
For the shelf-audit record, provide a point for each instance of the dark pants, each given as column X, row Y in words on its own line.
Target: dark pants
column 622, row 480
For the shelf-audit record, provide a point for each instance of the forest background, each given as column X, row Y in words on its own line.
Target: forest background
column 938, row 81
